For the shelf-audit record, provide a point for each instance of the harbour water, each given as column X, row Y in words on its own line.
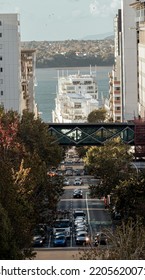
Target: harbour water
column 45, row 91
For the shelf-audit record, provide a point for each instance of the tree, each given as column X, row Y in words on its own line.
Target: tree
column 129, row 196
column 111, row 163
column 97, row 116
column 127, row 243
column 33, row 133
column 18, row 212
column 26, row 155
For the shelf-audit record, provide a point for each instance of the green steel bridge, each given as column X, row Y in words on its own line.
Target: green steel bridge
column 85, row 134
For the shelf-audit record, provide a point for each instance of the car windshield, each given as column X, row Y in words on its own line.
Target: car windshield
column 60, row 237
column 81, row 235
column 62, row 224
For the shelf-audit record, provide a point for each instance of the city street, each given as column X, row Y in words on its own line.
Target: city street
column 97, row 216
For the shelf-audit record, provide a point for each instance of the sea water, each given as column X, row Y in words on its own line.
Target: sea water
column 46, row 86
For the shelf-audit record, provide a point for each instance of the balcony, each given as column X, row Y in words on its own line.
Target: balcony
column 140, row 15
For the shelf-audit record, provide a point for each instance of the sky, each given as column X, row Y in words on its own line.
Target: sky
column 59, row 20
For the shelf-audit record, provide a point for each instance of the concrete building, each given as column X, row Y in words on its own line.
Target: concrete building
column 115, row 92
column 28, row 79
column 10, row 66
column 123, row 101
column 139, row 7
column 129, row 62
column 17, row 68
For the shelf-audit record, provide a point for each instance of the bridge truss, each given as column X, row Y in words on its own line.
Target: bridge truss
column 86, row 134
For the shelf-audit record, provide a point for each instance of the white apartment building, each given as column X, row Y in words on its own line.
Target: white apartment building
column 129, row 62
column 115, row 92
column 139, row 7
column 10, row 66
column 17, row 68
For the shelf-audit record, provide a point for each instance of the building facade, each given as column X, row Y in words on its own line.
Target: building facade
column 28, row 80
column 124, row 93
column 129, row 62
column 17, row 68
column 10, row 65
column 139, row 7
column 115, row 92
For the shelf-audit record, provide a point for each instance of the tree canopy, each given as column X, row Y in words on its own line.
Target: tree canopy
column 26, row 191
column 96, row 116
column 110, row 163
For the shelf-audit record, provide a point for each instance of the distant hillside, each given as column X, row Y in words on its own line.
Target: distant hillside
column 102, row 36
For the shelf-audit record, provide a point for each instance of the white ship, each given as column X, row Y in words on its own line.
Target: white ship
column 77, row 96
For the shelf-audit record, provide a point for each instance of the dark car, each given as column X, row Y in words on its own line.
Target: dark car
column 60, row 240
column 38, row 241
column 82, row 238
column 79, row 213
column 78, row 193
column 100, row 239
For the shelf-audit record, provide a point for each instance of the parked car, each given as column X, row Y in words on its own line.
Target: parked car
column 77, row 193
column 82, row 238
column 60, row 240
column 66, row 182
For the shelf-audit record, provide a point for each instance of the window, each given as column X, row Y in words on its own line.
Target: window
column 0, row 34
column 118, row 108
column 117, row 98
column 90, row 87
column 2, row 92
column 1, row 69
column 1, row 58
column 0, row 22
column 77, row 105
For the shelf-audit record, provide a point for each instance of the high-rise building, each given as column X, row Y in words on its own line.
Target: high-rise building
column 139, row 7
column 17, row 68
column 10, row 74
column 28, row 81
column 124, row 76
column 129, row 62
column 115, row 93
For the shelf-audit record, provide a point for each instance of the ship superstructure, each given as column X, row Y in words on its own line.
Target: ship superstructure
column 77, row 96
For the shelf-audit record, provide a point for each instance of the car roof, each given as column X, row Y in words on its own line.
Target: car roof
column 79, row 211
column 82, row 232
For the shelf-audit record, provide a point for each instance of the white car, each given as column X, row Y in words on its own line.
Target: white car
column 78, row 182
column 66, row 182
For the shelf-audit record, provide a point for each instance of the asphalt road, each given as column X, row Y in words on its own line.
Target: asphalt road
column 98, row 218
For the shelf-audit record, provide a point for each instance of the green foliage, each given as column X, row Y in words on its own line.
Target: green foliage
column 26, row 156
column 97, row 116
column 111, row 163
column 33, row 133
column 17, row 212
column 81, row 151
column 129, row 196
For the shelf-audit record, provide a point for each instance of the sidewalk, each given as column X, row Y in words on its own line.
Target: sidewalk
column 57, row 255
